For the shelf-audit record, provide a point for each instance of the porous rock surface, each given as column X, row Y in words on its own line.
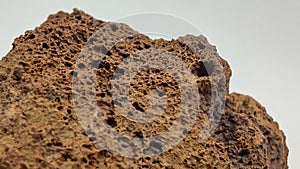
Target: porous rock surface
column 39, row 127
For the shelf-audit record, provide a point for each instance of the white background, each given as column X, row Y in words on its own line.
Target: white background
column 260, row 40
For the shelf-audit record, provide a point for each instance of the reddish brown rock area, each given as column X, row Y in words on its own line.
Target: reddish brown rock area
column 39, row 127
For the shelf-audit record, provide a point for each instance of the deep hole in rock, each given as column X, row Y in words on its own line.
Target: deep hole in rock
column 244, row 152
column 111, row 121
column 137, row 107
column 45, row 45
column 84, row 160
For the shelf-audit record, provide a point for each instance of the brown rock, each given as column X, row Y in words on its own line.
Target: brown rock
column 40, row 126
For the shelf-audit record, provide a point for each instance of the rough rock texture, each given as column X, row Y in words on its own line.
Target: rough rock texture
column 39, row 127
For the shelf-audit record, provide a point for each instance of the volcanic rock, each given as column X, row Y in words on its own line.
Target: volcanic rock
column 40, row 124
